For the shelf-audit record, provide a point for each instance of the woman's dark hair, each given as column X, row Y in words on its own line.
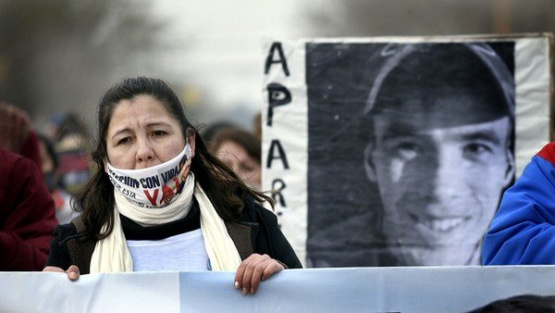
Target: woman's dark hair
column 245, row 139
column 222, row 186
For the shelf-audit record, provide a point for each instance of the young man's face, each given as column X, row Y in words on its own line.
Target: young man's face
column 440, row 184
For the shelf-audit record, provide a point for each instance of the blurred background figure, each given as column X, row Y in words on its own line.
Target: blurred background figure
column 70, row 137
column 17, row 134
column 527, row 303
column 27, row 216
column 210, row 130
column 257, row 125
column 49, row 167
column 241, row 150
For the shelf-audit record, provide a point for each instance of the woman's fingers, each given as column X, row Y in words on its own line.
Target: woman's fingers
column 53, row 269
column 73, row 272
column 253, row 270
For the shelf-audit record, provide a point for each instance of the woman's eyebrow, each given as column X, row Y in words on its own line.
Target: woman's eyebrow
column 121, row 131
column 158, row 123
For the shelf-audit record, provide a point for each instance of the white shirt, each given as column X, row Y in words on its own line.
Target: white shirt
column 183, row 252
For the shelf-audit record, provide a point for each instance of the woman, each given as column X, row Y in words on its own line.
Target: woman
column 174, row 207
column 240, row 150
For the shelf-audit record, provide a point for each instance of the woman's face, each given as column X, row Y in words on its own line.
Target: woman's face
column 236, row 157
column 142, row 134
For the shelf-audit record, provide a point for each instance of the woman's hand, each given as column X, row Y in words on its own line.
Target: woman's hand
column 253, row 270
column 72, row 272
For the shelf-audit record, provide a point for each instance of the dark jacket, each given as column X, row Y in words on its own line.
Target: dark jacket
column 27, row 215
column 257, row 232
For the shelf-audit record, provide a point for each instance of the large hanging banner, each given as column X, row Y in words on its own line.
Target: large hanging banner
column 377, row 290
column 396, row 151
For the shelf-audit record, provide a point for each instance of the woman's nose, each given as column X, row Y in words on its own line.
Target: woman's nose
column 144, row 153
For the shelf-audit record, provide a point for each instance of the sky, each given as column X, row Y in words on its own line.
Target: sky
column 222, row 57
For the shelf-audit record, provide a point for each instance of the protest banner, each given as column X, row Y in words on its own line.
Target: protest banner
column 379, row 289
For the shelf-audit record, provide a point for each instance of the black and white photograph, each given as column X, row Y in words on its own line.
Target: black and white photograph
column 410, row 148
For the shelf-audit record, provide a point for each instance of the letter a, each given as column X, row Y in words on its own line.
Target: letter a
column 276, row 46
column 282, row 156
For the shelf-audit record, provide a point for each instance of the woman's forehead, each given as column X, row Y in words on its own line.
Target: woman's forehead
column 140, row 112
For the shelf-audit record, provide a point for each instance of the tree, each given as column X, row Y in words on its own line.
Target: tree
column 365, row 18
column 61, row 54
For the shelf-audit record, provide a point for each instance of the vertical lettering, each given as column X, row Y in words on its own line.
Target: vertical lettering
column 276, row 47
column 277, row 95
column 277, row 186
column 281, row 154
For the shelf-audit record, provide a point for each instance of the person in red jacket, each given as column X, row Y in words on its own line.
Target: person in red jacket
column 27, row 215
column 17, row 133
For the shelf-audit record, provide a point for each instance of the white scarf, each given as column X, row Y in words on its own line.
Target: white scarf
column 111, row 254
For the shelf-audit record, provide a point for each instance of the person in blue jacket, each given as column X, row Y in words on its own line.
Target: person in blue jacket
column 523, row 229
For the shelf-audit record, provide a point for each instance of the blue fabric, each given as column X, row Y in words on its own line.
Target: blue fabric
column 523, row 230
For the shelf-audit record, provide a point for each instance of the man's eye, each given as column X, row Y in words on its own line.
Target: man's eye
column 407, row 150
column 476, row 149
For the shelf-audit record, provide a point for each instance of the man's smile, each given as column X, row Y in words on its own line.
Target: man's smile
column 439, row 224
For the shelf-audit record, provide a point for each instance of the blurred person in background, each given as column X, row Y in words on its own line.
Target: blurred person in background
column 27, row 214
column 71, row 137
column 17, row 134
column 240, row 150
column 527, row 303
column 62, row 198
column 209, row 131
column 257, row 125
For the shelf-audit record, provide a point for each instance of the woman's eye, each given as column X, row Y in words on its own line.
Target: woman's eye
column 123, row 141
column 247, row 168
column 158, row 133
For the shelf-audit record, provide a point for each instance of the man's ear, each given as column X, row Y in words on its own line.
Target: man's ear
column 510, row 171
column 369, row 163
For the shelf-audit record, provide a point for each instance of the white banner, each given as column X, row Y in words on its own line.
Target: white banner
column 400, row 289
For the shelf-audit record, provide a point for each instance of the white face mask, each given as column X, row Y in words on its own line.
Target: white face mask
column 156, row 186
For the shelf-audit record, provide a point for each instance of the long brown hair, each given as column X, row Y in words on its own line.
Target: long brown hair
column 222, row 186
